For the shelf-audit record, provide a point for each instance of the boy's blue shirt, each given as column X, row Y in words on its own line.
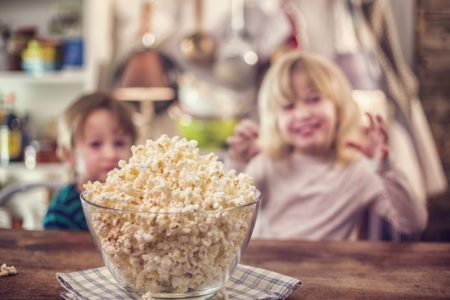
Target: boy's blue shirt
column 65, row 211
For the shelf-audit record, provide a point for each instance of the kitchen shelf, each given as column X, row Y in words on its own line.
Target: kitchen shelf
column 68, row 77
column 19, row 167
column 17, row 172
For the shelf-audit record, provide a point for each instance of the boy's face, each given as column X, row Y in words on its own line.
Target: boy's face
column 308, row 123
column 101, row 147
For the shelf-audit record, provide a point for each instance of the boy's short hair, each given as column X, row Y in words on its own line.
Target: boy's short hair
column 72, row 123
column 327, row 79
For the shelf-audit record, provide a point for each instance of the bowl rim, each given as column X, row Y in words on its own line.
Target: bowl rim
column 256, row 201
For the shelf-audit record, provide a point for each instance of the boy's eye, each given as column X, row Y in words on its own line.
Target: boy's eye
column 120, row 143
column 95, row 144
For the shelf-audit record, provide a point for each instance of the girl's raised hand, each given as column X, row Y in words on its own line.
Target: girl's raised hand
column 242, row 145
column 375, row 145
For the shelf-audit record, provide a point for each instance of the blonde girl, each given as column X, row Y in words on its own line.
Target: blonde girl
column 306, row 156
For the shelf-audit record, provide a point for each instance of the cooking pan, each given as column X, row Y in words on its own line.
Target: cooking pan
column 149, row 68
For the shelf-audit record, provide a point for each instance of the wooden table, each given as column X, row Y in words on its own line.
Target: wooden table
column 337, row 270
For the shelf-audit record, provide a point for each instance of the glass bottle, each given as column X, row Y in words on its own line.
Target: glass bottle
column 10, row 132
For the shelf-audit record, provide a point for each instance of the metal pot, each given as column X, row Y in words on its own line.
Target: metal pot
column 236, row 64
column 199, row 47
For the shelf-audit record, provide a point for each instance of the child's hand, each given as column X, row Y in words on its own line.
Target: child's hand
column 375, row 145
column 242, row 145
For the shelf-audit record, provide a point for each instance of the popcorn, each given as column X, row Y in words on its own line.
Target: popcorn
column 177, row 219
column 6, row 270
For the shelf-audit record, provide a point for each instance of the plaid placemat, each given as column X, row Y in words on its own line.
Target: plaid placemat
column 245, row 283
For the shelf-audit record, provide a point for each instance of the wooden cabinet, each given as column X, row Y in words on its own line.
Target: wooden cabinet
column 433, row 70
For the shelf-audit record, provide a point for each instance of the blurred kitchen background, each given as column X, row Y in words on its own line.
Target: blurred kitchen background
column 193, row 68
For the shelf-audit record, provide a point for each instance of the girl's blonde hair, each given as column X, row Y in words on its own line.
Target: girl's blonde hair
column 327, row 79
column 71, row 126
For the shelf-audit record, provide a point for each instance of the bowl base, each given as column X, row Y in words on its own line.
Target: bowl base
column 214, row 296
column 210, row 294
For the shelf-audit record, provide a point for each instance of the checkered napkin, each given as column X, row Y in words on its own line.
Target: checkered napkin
column 245, row 283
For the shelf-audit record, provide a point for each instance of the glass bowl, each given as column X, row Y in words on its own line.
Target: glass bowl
column 171, row 255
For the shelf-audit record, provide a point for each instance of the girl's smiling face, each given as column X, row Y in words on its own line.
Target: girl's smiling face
column 101, row 146
column 308, row 122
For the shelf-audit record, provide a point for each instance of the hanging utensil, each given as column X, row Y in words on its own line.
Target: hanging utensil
column 236, row 63
column 147, row 75
column 199, row 47
column 147, row 67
